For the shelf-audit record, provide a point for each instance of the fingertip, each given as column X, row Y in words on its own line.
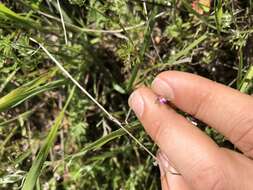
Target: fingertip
column 152, row 113
column 188, row 89
column 139, row 100
column 162, row 88
column 168, row 83
column 136, row 102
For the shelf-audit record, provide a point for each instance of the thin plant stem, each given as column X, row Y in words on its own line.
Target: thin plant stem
column 62, row 21
column 240, row 69
column 110, row 116
column 81, row 29
column 143, row 49
column 8, row 79
column 2, row 147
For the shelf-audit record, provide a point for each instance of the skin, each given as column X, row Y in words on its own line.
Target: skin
column 186, row 149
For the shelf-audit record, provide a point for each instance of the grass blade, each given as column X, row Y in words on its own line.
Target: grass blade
column 22, row 116
column 187, row 49
column 100, row 142
column 28, row 90
column 218, row 14
column 240, row 69
column 247, row 82
column 144, row 48
column 37, row 165
column 5, row 12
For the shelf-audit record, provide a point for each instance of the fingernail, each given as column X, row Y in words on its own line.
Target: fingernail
column 136, row 103
column 162, row 88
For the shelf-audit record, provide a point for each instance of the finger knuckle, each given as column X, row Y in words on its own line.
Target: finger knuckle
column 245, row 140
column 210, row 177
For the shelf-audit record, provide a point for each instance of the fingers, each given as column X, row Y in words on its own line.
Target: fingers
column 192, row 153
column 169, row 180
column 225, row 109
column 240, row 170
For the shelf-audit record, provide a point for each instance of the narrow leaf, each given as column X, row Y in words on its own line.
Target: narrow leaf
column 28, row 90
column 37, row 165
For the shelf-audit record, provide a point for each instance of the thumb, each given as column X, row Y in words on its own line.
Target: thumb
column 169, row 178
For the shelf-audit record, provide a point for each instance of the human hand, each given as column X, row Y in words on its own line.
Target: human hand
column 202, row 164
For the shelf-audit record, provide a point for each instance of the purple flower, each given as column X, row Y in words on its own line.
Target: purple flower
column 162, row 100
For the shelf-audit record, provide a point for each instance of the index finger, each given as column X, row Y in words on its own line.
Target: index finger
column 193, row 154
column 221, row 107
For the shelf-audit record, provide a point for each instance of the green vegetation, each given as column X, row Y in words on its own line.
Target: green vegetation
column 53, row 136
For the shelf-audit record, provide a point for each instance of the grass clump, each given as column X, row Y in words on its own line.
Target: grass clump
column 54, row 137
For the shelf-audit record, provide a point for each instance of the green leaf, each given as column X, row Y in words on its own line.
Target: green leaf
column 118, row 88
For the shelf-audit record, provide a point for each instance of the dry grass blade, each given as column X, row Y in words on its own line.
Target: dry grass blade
column 111, row 117
column 63, row 24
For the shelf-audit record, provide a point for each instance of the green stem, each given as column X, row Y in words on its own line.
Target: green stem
column 240, row 67
column 144, row 47
column 247, row 81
